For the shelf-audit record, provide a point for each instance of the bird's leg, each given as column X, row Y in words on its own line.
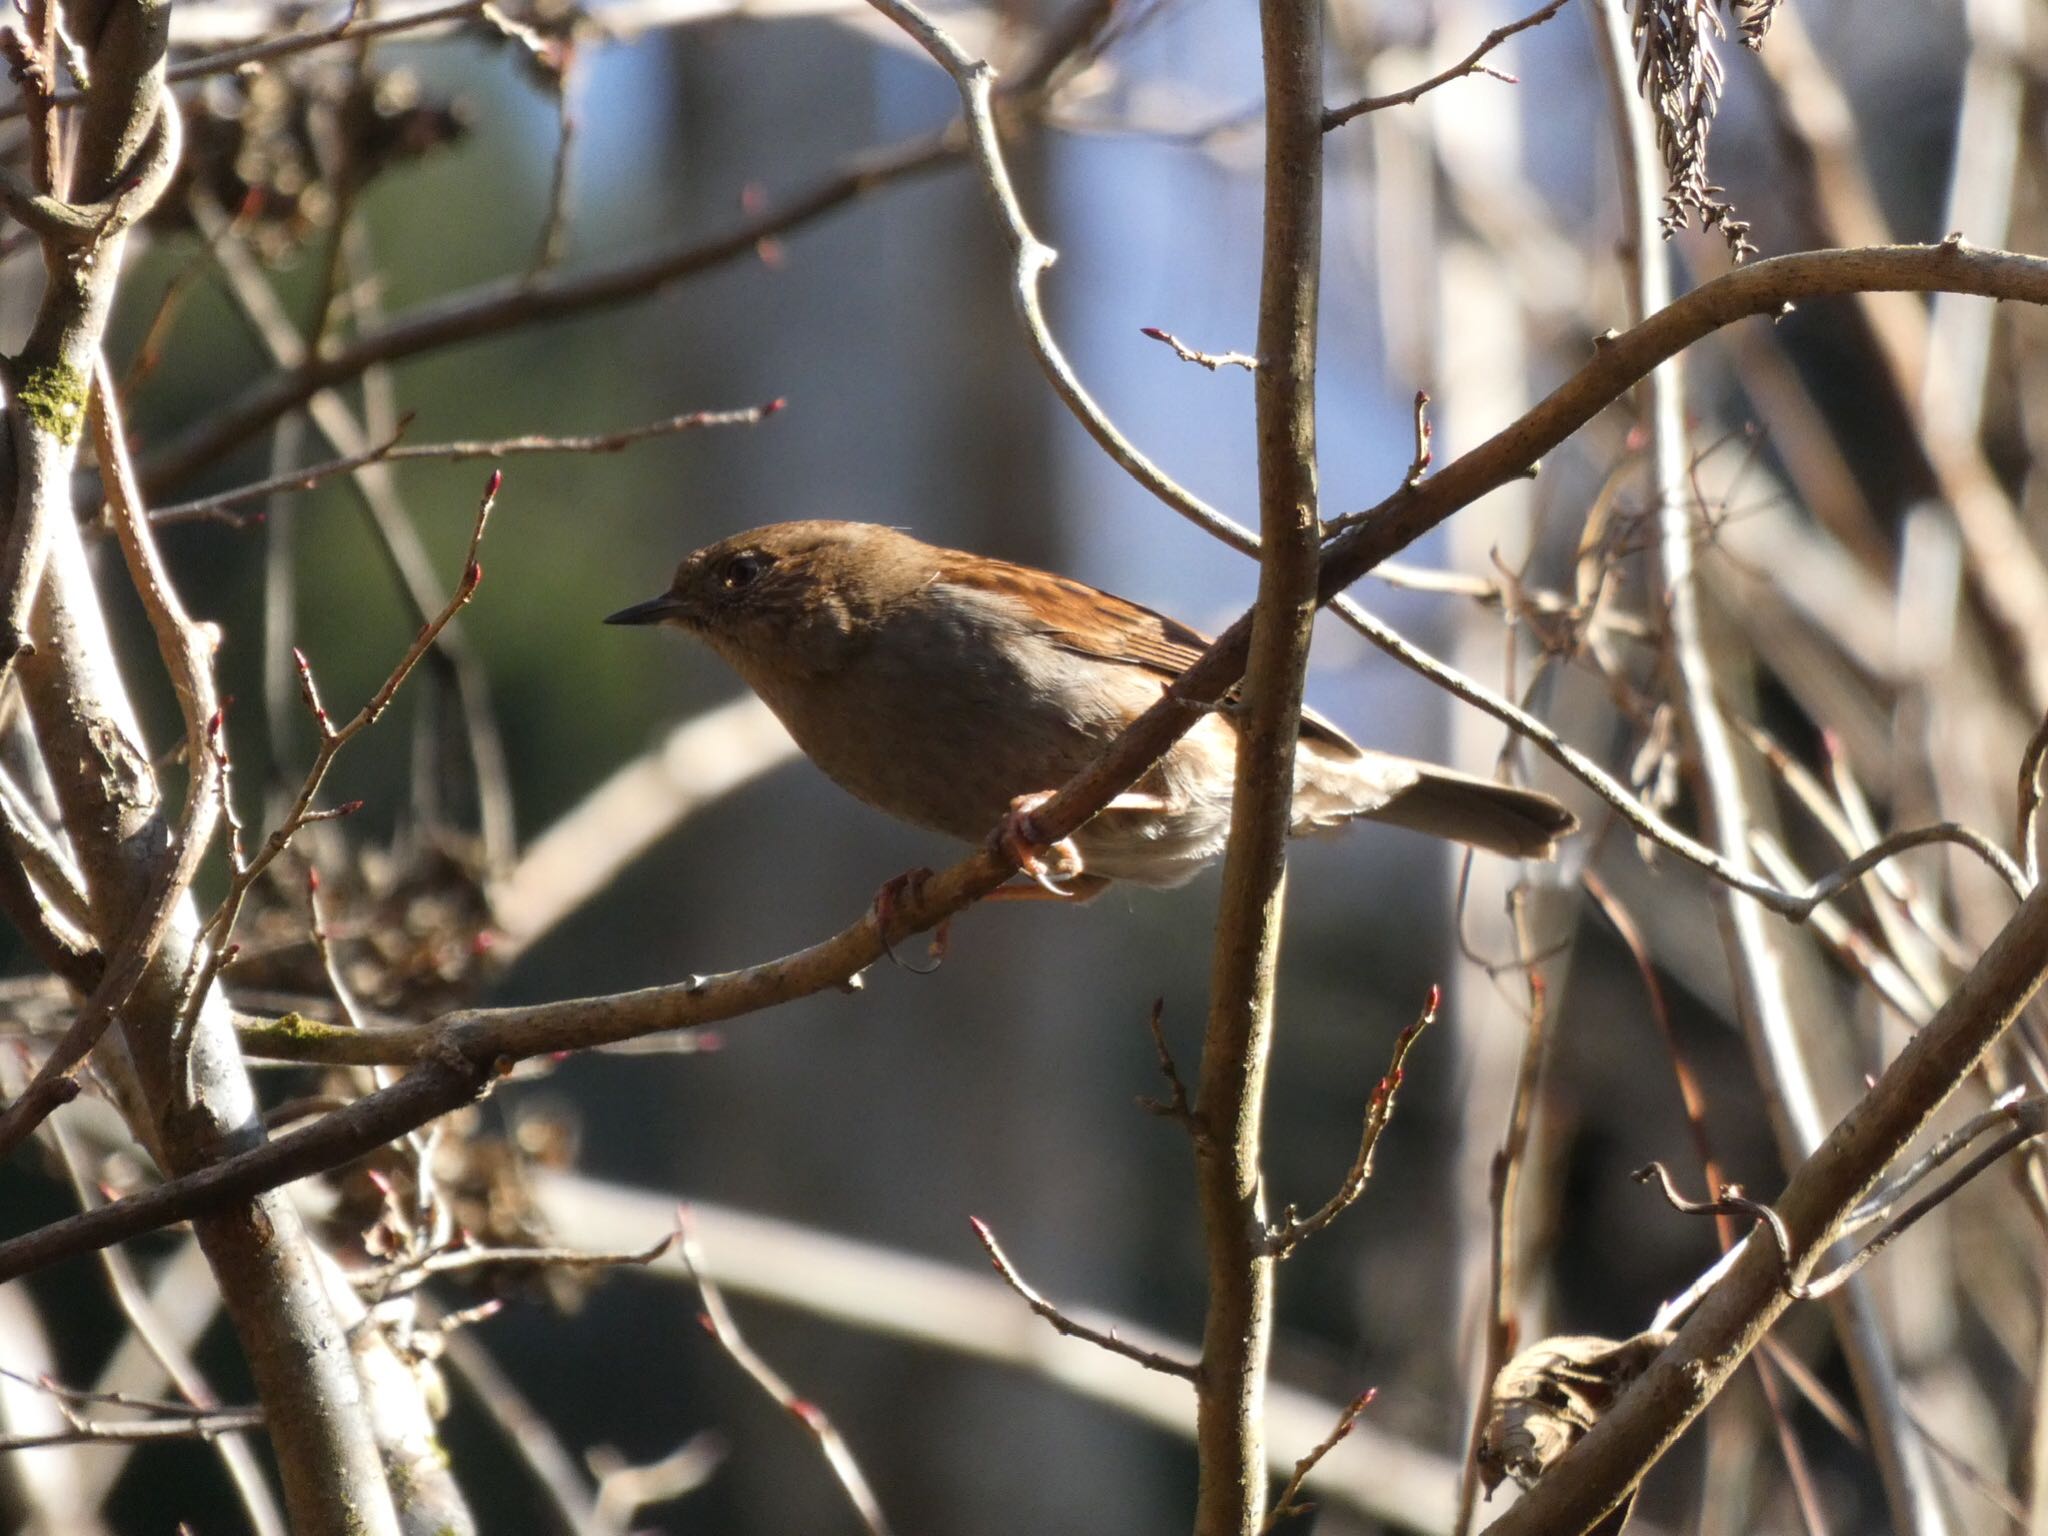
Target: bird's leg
column 888, row 902
column 1019, row 837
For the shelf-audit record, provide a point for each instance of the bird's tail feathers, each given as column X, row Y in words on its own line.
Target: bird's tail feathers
column 1500, row 818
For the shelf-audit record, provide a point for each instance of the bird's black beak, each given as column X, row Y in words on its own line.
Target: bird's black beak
column 653, row 611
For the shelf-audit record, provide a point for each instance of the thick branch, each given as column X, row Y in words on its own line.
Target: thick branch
column 1735, row 1315
column 195, row 1105
column 1237, row 1330
column 1758, row 951
column 512, row 1033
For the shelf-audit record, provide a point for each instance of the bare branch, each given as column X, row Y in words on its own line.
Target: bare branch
column 1472, row 64
column 718, row 1322
column 1289, row 1503
column 1598, row 1472
column 188, row 658
column 214, row 508
column 1152, row 1360
column 1176, row 1106
column 402, row 1273
column 516, row 302
column 1209, row 360
column 351, row 29
column 196, row 1424
column 333, row 738
column 1290, row 1232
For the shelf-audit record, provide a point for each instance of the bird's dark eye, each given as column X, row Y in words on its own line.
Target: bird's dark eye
column 741, row 570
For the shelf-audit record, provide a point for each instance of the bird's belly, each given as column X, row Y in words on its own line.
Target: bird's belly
column 1169, row 847
column 949, row 750
column 950, row 743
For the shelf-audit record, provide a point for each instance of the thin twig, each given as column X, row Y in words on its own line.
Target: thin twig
column 152, row 1331
column 382, row 1279
column 1503, row 1188
column 391, row 451
column 1472, row 64
column 528, row 1432
column 554, row 229
column 194, row 1425
column 1615, row 1454
column 1289, row 1503
column 1176, row 1106
column 42, row 857
column 444, row 1078
column 347, row 1010
column 2030, row 799
column 718, row 1322
column 515, row 303
column 1770, row 1023
column 1152, row 1360
column 1209, row 360
column 333, row 738
column 1418, row 466
column 1291, row 1231
column 397, row 539
column 350, row 29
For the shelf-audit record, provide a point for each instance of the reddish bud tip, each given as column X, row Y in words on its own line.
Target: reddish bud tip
column 229, row 955
column 558, row 1057
column 709, row 1040
column 1153, row 331
column 780, row 402
column 1436, row 999
column 483, row 941
column 497, row 479
column 980, row 1227
column 348, row 807
column 213, row 725
column 312, row 878
column 474, row 574
column 704, row 1322
column 299, row 659
column 379, row 1180
column 807, row 1413
column 257, row 518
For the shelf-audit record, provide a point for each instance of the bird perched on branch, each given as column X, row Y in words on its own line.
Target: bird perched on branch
column 957, row 692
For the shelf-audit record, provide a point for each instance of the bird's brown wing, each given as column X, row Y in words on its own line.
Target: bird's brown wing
column 1090, row 622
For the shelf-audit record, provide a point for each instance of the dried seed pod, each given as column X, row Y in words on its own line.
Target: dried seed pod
column 1548, row 1396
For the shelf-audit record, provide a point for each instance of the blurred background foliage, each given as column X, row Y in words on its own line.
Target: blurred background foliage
column 1004, row 1084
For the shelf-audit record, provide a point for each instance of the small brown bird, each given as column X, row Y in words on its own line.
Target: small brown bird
column 957, row 691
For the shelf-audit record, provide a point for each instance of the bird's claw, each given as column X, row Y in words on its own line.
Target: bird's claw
column 888, row 903
column 1020, row 839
